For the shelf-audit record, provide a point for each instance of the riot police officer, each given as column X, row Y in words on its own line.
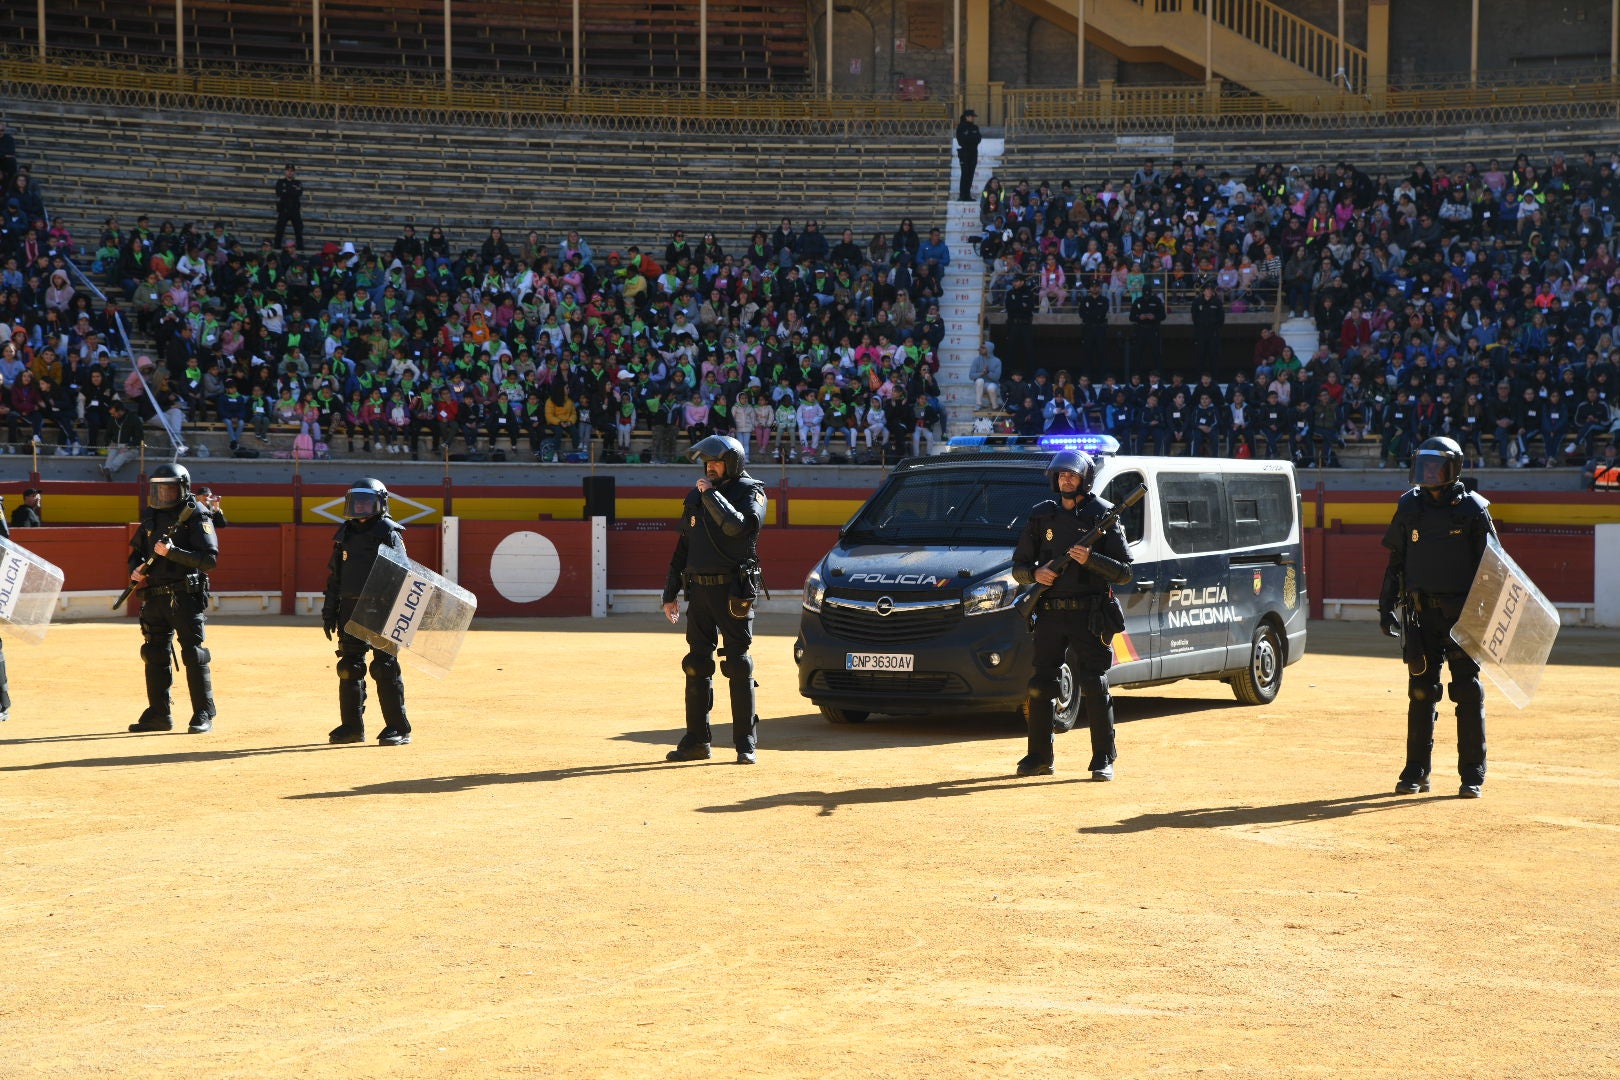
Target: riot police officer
column 717, row 563
column 366, row 528
column 1077, row 615
column 1436, row 539
column 170, row 556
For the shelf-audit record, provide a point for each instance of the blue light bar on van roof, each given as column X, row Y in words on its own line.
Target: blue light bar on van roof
column 1092, row 443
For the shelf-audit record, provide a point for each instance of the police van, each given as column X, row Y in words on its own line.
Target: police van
column 915, row 609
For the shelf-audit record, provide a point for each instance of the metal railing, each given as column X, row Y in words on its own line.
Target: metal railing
column 1296, row 40
column 486, row 101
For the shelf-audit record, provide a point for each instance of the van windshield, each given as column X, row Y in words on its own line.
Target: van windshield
column 982, row 507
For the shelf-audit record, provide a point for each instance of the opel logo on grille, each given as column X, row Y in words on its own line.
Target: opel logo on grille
column 885, row 605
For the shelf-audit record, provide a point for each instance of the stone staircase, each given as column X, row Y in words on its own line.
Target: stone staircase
column 962, row 306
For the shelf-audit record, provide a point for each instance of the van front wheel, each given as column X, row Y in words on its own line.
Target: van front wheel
column 834, row 715
column 1259, row 683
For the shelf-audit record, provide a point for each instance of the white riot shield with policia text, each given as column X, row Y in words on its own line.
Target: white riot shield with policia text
column 1507, row 625
column 29, row 587
column 410, row 612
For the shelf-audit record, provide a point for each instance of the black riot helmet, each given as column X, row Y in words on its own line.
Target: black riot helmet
column 1437, row 463
column 168, row 487
column 366, row 498
column 721, row 448
column 1076, row 461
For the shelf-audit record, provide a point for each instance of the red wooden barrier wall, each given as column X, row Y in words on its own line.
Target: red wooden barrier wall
column 1341, row 563
column 523, row 568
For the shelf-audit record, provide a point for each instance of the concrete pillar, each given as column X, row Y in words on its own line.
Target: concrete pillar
column 1377, row 51
column 977, row 43
column 1606, row 574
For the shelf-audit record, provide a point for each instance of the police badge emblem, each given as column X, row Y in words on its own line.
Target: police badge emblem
column 1258, row 580
column 1414, row 536
column 1290, row 590
column 1049, row 534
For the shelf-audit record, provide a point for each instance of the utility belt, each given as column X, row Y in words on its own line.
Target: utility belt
column 191, row 583
column 1449, row 605
column 1067, row 603
column 745, row 583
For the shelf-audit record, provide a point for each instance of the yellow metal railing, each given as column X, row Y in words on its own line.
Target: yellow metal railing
column 297, row 92
column 1296, row 40
column 1307, row 102
column 1303, row 104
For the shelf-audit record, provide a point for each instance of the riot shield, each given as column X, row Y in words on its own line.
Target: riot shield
column 1507, row 626
column 29, row 587
column 410, row 612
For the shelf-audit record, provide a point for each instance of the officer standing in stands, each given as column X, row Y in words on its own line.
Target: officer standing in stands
column 366, row 528
column 967, row 153
column 1077, row 613
column 1147, row 314
column 170, row 556
column 716, row 561
column 1436, row 540
column 1094, row 329
column 1020, row 304
column 290, row 207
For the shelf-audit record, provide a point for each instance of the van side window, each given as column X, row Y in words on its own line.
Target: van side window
column 1262, row 509
column 1133, row 521
column 1195, row 514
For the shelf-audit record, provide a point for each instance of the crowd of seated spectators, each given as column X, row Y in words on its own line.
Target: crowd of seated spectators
column 801, row 344
column 1476, row 302
column 59, row 379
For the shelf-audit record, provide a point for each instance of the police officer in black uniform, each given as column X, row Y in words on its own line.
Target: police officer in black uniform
column 717, row 562
column 1094, row 328
column 1020, row 305
column 1436, row 540
column 1147, row 315
column 1077, row 615
column 366, row 528
column 169, row 560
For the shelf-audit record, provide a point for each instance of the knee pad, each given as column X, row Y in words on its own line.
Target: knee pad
column 1466, row 691
column 1043, row 686
column 350, row 668
column 737, row 667
column 697, row 665
column 1092, row 688
column 155, row 652
column 384, row 667
column 1423, row 690
column 195, row 655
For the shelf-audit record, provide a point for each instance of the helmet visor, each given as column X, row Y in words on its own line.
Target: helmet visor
column 1433, row 469
column 361, row 503
column 163, row 494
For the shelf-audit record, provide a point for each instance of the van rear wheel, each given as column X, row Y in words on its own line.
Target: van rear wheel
column 834, row 715
column 1260, row 682
column 1065, row 706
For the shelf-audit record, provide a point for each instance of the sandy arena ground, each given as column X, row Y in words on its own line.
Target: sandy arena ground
column 529, row 889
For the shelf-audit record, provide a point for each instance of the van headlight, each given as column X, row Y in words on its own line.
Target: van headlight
column 996, row 594
column 814, row 590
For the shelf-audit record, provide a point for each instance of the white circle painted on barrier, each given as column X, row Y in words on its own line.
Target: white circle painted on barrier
column 525, row 567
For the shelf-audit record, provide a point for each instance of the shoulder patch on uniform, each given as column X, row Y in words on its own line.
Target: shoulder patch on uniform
column 208, row 525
